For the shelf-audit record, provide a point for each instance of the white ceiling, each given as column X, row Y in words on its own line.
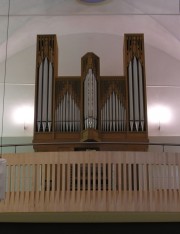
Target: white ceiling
column 81, row 27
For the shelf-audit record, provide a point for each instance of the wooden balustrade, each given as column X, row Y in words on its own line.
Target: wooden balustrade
column 92, row 181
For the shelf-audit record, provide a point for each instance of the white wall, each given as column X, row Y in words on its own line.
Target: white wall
column 162, row 75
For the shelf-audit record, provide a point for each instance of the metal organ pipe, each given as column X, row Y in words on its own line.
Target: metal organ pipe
column 44, row 111
column 141, row 99
column 69, row 114
column 90, row 100
column 50, row 97
column 131, row 105
column 45, row 95
column 110, row 113
column 113, row 111
column 117, row 113
column 136, row 102
column 67, row 111
column 136, row 93
column 113, row 114
column 39, row 113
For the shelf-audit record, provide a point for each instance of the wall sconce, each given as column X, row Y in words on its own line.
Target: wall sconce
column 24, row 115
column 159, row 114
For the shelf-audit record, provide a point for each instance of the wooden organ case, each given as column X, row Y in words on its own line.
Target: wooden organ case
column 90, row 112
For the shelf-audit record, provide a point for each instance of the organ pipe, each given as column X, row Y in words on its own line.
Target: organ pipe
column 141, row 94
column 39, row 114
column 136, row 103
column 90, row 100
column 136, row 94
column 113, row 114
column 68, row 118
column 131, row 103
column 44, row 115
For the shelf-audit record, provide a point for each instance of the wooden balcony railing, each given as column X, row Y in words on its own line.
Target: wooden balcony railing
column 92, row 181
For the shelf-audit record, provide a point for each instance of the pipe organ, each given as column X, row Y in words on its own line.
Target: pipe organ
column 71, row 112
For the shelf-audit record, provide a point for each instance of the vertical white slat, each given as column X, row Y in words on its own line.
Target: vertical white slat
column 99, row 185
column 37, row 183
column 67, row 197
column 32, row 186
column 12, row 189
column 160, row 175
column 135, row 183
column 78, row 182
column 151, row 188
column 58, row 183
column 178, row 163
column 174, row 172
column 145, row 185
column 109, row 185
column 119, row 184
column 73, row 183
column 16, row 186
column 42, row 200
column 89, row 180
column 48, row 184
column 83, row 196
column 94, row 185
column 140, row 175
column 53, row 183
column 129, row 172
column 63, row 178
column 165, row 176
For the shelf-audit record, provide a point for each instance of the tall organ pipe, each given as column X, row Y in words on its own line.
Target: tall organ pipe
column 90, row 100
column 50, row 97
column 141, row 95
column 136, row 93
column 131, row 103
column 39, row 113
column 136, row 101
column 45, row 95
column 44, row 109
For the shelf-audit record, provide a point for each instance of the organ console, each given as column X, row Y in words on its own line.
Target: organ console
column 90, row 112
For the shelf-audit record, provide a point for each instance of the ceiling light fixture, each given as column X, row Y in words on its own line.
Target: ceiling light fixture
column 92, row 1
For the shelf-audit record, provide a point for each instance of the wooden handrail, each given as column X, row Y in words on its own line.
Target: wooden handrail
column 161, row 144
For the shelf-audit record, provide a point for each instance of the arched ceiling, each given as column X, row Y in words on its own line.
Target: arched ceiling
column 83, row 25
column 158, row 19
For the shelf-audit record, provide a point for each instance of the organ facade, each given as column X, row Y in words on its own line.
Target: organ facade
column 90, row 112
